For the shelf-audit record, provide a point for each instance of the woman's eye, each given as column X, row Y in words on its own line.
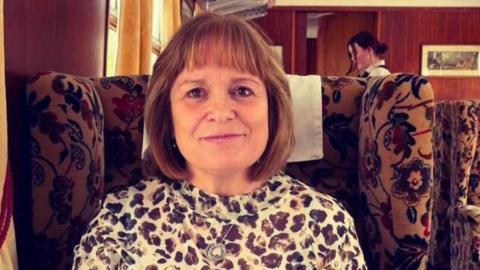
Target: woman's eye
column 195, row 93
column 243, row 91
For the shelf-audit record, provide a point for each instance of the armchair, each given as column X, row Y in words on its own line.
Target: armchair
column 86, row 137
column 456, row 209
column 86, row 140
column 378, row 161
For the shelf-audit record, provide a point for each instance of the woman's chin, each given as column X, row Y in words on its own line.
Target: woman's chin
column 224, row 167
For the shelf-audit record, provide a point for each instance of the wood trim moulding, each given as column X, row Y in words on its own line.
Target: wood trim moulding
column 378, row 24
column 108, row 22
column 299, row 43
column 293, row 43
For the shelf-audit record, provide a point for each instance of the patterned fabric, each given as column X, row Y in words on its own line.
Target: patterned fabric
column 169, row 225
column 378, row 160
column 125, row 99
column 336, row 173
column 456, row 219
column 396, row 169
column 79, row 150
column 386, row 185
column 439, row 253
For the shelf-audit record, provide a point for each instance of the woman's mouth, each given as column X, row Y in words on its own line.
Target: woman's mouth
column 220, row 138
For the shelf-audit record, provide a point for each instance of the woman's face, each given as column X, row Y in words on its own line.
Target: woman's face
column 360, row 56
column 220, row 119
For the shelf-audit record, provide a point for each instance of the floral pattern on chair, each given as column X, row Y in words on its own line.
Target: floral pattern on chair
column 336, row 173
column 439, row 253
column 395, row 131
column 75, row 144
column 125, row 96
column 456, row 219
column 66, row 146
column 378, row 161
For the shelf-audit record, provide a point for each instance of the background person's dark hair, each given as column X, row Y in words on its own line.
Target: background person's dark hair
column 365, row 40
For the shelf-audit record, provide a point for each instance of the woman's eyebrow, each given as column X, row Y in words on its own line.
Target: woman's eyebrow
column 246, row 79
column 192, row 81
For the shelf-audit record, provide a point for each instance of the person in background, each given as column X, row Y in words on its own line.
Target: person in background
column 219, row 122
column 366, row 55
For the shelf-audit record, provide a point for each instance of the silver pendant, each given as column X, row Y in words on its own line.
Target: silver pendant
column 216, row 252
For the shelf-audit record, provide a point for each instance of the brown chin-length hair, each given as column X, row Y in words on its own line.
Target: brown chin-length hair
column 230, row 42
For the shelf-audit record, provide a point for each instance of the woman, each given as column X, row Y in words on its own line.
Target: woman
column 219, row 123
column 365, row 53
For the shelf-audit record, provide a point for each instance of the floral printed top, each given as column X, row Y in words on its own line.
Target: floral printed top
column 169, row 224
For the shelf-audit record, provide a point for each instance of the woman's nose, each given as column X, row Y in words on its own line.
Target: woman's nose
column 221, row 110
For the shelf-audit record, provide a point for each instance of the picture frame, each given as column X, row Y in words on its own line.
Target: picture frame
column 450, row 60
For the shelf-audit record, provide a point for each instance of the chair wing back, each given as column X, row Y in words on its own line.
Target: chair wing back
column 124, row 99
column 337, row 173
column 80, row 149
column 456, row 209
column 396, row 170
column 378, row 161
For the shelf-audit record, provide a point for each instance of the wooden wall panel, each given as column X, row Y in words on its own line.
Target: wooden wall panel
column 60, row 35
column 299, row 50
column 455, row 88
column 312, row 56
column 41, row 35
column 333, row 34
column 279, row 27
column 406, row 30
column 403, row 29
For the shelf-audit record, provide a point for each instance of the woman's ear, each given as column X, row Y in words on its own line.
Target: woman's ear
column 371, row 55
column 370, row 51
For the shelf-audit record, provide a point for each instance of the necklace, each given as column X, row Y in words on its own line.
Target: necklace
column 217, row 251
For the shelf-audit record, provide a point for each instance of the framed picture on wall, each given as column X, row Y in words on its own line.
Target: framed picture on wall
column 451, row 60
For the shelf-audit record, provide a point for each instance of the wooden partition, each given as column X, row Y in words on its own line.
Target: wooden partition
column 41, row 35
column 403, row 29
column 406, row 30
column 334, row 32
column 279, row 27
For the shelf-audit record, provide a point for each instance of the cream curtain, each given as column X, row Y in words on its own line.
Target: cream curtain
column 8, row 253
column 135, row 37
column 171, row 18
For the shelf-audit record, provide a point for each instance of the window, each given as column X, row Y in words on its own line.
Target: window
column 112, row 39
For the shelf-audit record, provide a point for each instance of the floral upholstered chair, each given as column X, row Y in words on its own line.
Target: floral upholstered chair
column 378, row 161
column 86, row 137
column 456, row 209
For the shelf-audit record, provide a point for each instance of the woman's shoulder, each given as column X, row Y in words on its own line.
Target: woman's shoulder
column 314, row 203
column 379, row 71
column 145, row 187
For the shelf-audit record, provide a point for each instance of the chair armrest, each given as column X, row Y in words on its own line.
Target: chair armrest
column 465, row 245
column 465, row 213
